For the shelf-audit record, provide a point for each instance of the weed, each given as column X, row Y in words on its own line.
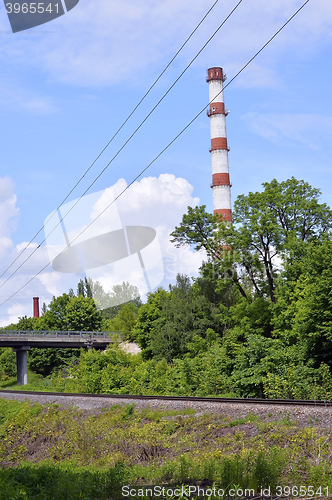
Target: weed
column 286, row 420
column 129, row 411
column 155, row 446
column 250, row 418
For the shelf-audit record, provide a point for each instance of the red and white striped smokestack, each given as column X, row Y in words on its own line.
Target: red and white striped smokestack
column 219, row 149
column 36, row 307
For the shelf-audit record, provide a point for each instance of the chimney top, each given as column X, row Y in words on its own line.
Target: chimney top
column 36, row 307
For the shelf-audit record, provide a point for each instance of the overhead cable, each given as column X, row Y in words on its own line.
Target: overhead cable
column 114, row 136
column 165, row 149
column 123, row 146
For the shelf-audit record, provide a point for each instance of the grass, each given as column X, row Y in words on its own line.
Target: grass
column 250, row 418
column 36, row 383
column 55, row 452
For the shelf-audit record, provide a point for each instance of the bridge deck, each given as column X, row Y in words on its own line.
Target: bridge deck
column 48, row 339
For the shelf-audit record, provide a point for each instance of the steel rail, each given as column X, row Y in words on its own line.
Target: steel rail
column 289, row 402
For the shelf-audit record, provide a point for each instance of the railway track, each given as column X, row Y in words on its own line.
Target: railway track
column 289, row 402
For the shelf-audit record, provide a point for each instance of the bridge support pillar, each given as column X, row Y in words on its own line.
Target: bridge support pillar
column 22, row 364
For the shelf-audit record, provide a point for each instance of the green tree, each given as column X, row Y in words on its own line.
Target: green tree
column 46, row 361
column 111, row 303
column 145, row 325
column 168, row 322
column 174, row 328
column 124, row 321
column 81, row 315
column 269, row 224
column 7, row 363
column 84, row 288
column 266, row 227
column 26, row 323
column 63, row 313
column 204, row 231
column 55, row 316
column 303, row 314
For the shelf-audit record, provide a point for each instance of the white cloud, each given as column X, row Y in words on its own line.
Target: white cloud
column 305, row 128
column 128, row 41
column 158, row 203
column 8, row 213
column 36, row 288
column 52, row 283
column 153, row 196
column 15, row 311
column 26, row 244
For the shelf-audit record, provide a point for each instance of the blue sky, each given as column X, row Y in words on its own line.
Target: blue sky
column 66, row 86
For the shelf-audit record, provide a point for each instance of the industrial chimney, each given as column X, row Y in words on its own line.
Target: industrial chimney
column 219, row 149
column 36, row 307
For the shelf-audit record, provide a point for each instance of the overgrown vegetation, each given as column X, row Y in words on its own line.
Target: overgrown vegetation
column 257, row 321
column 209, row 373
column 65, row 453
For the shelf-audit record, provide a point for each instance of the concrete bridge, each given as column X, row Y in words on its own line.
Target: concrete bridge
column 22, row 341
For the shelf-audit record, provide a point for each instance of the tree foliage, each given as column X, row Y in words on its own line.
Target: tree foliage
column 124, row 321
column 63, row 313
column 304, row 311
column 167, row 323
column 256, row 322
column 266, row 226
column 7, row 363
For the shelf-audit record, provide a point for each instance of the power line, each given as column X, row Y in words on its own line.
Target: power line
column 115, row 134
column 124, row 145
column 166, row 147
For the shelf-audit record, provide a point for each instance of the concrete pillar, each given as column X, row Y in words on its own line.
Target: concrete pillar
column 22, row 364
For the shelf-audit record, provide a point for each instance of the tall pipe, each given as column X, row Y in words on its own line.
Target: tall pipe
column 36, row 307
column 221, row 185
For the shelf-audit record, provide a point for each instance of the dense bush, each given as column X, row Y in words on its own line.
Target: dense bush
column 7, row 363
column 46, row 361
column 257, row 368
column 61, row 482
column 256, row 322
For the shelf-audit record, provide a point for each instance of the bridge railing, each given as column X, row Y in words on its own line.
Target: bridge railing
column 63, row 334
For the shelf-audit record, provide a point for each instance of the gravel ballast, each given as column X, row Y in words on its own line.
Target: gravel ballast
column 303, row 415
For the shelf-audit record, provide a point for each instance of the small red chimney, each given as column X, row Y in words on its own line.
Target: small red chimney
column 36, row 307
